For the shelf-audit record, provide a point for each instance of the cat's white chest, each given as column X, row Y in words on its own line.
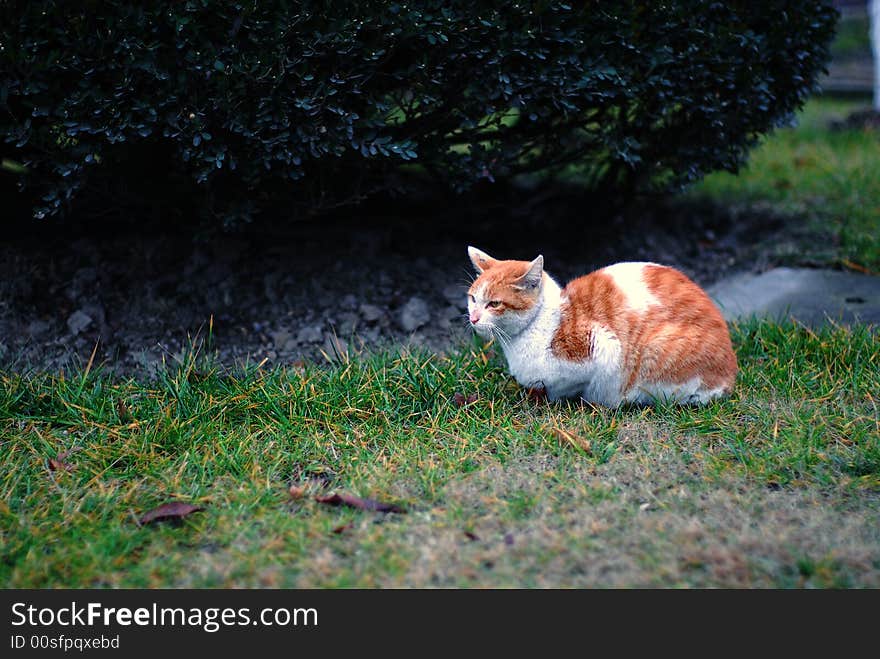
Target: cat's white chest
column 529, row 361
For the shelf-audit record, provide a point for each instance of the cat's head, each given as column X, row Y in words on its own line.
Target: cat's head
column 502, row 300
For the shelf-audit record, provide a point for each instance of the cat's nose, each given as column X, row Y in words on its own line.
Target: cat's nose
column 475, row 316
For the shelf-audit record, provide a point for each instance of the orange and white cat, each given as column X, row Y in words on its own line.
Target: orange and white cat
column 627, row 333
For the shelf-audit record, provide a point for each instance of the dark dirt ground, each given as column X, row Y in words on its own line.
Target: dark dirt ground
column 386, row 273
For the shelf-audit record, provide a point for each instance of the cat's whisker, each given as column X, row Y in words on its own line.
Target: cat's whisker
column 502, row 331
column 501, row 342
column 503, row 337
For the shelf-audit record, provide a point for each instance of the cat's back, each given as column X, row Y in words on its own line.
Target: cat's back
column 638, row 288
column 612, row 295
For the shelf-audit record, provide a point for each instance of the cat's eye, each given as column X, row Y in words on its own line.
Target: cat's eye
column 493, row 304
column 471, row 298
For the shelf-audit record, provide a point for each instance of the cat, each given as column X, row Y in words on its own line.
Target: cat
column 632, row 332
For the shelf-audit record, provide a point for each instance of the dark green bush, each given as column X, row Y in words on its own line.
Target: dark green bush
column 319, row 103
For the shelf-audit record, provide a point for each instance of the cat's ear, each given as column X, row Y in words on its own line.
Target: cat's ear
column 480, row 259
column 532, row 277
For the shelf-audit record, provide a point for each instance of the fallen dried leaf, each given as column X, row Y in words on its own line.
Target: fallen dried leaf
column 461, row 400
column 297, row 491
column 576, row 441
column 343, row 528
column 357, row 502
column 123, row 412
column 171, row 510
column 473, row 537
column 58, row 462
column 857, row 267
column 58, row 465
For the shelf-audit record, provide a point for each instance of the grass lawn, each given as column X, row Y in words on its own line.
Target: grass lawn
column 828, row 180
column 852, row 40
column 777, row 486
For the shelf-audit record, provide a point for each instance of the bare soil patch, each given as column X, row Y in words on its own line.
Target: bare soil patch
column 391, row 273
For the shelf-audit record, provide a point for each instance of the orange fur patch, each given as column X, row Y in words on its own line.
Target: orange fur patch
column 499, row 279
column 688, row 333
column 682, row 337
column 593, row 298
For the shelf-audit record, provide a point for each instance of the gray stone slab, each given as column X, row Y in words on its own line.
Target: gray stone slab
column 812, row 297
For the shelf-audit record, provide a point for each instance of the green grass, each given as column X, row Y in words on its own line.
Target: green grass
column 826, row 180
column 777, row 486
column 853, row 40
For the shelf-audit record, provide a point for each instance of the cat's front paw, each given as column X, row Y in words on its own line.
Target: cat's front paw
column 536, row 394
